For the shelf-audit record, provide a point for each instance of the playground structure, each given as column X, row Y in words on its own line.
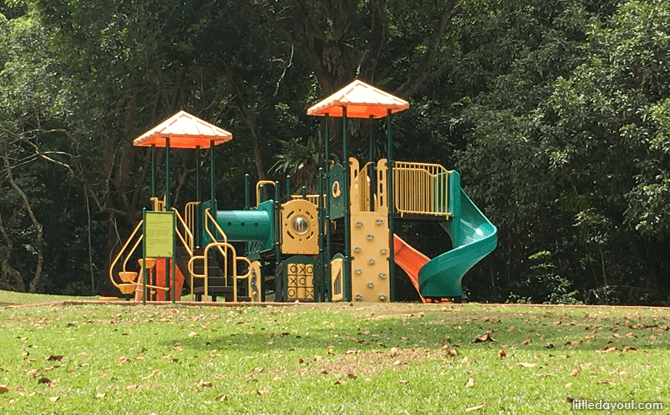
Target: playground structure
column 338, row 244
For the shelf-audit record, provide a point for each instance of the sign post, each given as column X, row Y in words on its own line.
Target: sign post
column 159, row 242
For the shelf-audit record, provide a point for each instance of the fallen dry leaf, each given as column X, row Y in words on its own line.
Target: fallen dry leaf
column 222, row 398
column 511, row 329
column 627, row 348
column 470, row 383
column 4, row 389
column 486, row 337
column 568, row 385
column 550, row 346
column 57, row 358
column 131, row 387
column 352, row 376
column 340, row 382
column 475, row 408
column 526, row 342
column 54, row 399
column 192, row 334
column 156, row 373
column 100, row 395
column 502, row 354
column 574, row 372
column 403, row 381
column 606, row 382
column 608, row 350
column 397, row 363
column 204, row 384
column 263, row 392
column 527, row 364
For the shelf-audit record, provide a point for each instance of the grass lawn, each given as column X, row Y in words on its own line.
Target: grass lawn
column 10, row 298
column 329, row 358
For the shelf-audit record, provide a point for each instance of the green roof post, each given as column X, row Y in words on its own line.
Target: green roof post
column 212, row 183
column 167, row 174
column 153, row 170
column 391, row 204
column 347, row 210
column 327, row 229
column 198, row 197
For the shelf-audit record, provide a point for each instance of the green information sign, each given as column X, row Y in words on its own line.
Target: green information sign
column 159, row 234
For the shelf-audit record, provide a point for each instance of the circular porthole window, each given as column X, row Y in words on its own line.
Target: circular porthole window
column 300, row 225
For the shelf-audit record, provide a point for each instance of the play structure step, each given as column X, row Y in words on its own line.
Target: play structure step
column 219, row 291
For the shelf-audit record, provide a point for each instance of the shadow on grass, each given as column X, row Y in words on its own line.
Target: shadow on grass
column 389, row 333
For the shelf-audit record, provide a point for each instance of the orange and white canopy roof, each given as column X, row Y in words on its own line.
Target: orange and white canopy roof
column 361, row 100
column 184, row 131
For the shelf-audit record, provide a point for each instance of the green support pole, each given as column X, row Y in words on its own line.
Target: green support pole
column 171, row 285
column 153, row 170
column 347, row 210
column 277, row 231
column 247, row 192
column 391, row 203
column 167, row 174
column 288, row 187
column 371, row 156
column 327, row 192
column 198, row 197
column 212, row 183
column 303, row 192
column 322, row 285
column 144, row 256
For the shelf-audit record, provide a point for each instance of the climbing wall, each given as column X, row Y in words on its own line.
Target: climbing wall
column 369, row 257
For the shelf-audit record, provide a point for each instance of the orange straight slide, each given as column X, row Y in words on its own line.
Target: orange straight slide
column 410, row 260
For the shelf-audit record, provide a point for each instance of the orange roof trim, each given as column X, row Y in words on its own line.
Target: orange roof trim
column 361, row 100
column 185, row 131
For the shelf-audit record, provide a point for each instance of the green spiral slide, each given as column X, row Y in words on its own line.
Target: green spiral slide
column 473, row 237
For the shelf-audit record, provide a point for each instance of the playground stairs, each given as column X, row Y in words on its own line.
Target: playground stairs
column 217, row 285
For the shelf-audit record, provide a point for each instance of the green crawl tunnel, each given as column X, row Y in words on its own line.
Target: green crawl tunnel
column 245, row 225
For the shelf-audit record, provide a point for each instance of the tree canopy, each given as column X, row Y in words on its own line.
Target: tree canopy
column 556, row 114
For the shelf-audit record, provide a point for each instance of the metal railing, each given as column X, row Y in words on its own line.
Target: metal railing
column 127, row 287
column 314, row 199
column 184, row 234
column 223, row 247
column 260, row 184
column 421, row 188
column 190, row 214
column 362, row 181
column 158, row 204
column 120, row 255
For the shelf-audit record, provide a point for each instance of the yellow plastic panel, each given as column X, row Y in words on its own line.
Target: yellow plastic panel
column 299, row 281
column 337, row 279
column 299, row 228
column 255, row 281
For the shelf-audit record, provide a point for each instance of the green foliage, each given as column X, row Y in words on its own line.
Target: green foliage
column 541, row 283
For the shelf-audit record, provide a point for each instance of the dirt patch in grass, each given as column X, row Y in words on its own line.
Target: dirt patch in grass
column 365, row 363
